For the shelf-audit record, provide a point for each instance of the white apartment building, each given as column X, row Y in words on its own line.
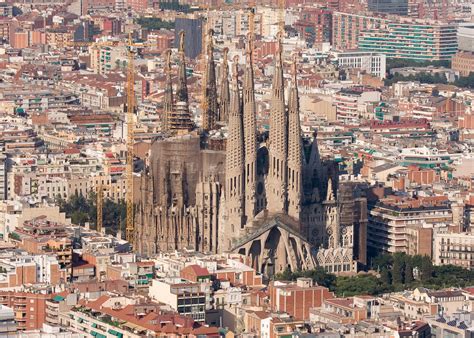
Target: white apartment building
column 3, row 178
column 185, row 297
column 372, row 63
column 352, row 104
column 454, row 248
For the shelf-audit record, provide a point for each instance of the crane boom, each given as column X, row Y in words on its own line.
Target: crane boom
column 130, row 227
column 281, row 17
column 252, row 24
column 100, row 207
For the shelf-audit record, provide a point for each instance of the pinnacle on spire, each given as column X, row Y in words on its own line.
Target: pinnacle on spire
column 236, row 100
column 210, row 108
column 278, row 145
column 225, row 91
column 168, row 100
column 235, row 163
column 295, row 149
column 182, row 119
column 250, row 136
column 249, row 48
column 182, row 90
column 330, row 192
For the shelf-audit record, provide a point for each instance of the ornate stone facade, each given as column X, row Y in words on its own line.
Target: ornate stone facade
column 260, row 197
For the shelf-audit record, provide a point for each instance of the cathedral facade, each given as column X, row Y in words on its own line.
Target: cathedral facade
column 266, row 196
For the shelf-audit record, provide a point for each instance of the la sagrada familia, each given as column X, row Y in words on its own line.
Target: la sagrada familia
column 267, row 196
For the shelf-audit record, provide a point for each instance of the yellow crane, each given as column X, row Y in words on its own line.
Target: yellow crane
column 252, row 10
column 131, row 51
column 130, row 90
column 204, row 72
column 130, row 225
column 281, row 17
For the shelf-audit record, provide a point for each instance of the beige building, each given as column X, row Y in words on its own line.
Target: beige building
column 453, row 248
column 463, row 62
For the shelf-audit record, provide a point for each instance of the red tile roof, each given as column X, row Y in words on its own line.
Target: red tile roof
column 197, row 270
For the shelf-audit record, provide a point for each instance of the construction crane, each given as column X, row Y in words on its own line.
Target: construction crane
column 100, row 206
column 252, row 10
column 281, row 17
column 130, row 225
column 204, row 73
column 131, row 51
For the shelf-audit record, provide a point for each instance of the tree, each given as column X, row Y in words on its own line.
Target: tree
column 82, row 210
column 386, row 276
column 426, row 268
column 320, row 276
column 409, row 278
column 398, row 269
column 465, row 82
column 360, row 285
column 154, row 23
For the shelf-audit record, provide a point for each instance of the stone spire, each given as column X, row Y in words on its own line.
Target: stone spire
column 181, row 119
column 168, row 100
column 235, row 163
column 224, row 90
column 295, row 150
column 278, row 140
column 250, row 135
column 209, row 115
column 182, row 90
column 330, row 193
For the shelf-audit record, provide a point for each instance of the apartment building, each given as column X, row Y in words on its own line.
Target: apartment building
column 3, row 178
column 29, row 308
column 297, row 298
column 348, row 27
column 8, row 327
column 454, row 248
column 390, row 218
column 119, row 316
column 372, row 63
column 352, row 103
column 463, row 63
column 412, row 39
column 187, row 298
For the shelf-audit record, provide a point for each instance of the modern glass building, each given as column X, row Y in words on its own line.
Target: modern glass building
column 398, row 7
column 412, row 39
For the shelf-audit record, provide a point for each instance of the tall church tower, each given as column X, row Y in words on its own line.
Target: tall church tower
column 182, row 90
column 209, row 115
column 235, row 164
column 224, row 89
column 180, row 120
column 295, row 150
column 278, row 141
column 250, row 135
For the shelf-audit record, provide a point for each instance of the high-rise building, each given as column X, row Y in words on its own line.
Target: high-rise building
column 398, row 7
column 466, row 37
column 315, row 25
column 412, row 39
column 372, row 63
column 193, row 35
column 347, row 28
column 3, row 177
